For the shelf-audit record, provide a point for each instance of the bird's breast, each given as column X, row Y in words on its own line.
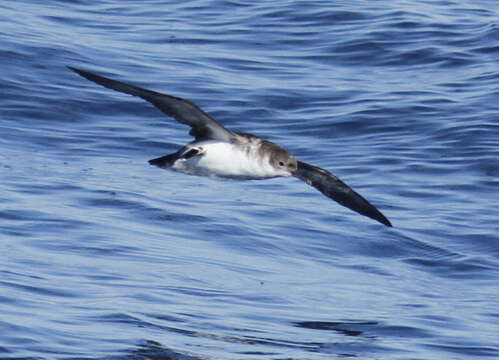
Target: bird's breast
column 224, row 159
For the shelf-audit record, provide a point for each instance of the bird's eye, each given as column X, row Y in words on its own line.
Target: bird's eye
column 281, row 163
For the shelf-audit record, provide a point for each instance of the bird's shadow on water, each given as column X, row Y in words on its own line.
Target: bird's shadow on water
column 153, row 350
column 349, row 338
column 359, row 338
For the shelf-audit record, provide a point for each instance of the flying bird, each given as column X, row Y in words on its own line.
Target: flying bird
column 217, row 151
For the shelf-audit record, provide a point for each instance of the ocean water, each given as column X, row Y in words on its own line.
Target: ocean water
column 105, row 257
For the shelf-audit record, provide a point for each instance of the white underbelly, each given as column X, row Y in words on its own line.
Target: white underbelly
column 223, row 159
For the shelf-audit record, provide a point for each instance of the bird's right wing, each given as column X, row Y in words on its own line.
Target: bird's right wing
column 335, row 189
column 185, row 111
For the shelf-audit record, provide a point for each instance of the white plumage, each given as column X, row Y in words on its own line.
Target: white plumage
column 223, row 159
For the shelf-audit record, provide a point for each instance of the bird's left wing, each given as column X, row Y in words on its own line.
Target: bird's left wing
column 185, row 111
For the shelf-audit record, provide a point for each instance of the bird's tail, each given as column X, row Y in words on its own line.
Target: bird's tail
column 164, row 162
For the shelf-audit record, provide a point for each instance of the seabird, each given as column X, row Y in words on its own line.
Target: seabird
column 217, row 151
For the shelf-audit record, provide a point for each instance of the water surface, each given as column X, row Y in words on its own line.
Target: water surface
column 104, row 256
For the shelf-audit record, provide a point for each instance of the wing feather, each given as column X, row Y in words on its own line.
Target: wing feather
column 335, row 189
column 184, row 111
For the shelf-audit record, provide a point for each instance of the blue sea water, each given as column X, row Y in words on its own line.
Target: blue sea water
column 105, row 257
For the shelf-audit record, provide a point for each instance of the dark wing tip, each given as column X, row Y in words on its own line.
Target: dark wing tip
column 182, row 110
column 382, row 219
column 335, row 189
column 85, row 74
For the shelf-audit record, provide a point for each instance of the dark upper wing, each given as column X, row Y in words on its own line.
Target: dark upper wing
column 184, row 111
column 334, row 188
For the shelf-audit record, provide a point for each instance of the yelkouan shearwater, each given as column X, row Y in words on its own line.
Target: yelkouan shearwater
column 217, row 151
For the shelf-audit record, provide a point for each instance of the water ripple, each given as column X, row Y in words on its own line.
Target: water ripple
column 105, row 257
